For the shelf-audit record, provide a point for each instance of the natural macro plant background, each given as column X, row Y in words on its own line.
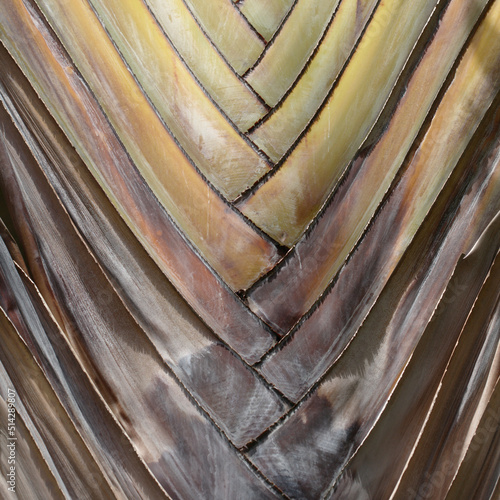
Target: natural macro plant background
column 249, row 249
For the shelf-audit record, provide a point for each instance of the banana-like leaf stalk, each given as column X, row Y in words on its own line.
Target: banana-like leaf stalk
column 249, row 249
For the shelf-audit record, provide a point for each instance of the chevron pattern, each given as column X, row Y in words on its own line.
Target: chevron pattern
column 250, row 248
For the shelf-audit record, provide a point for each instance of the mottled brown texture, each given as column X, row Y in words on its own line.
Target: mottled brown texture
column 461, row 401
column 321, row 337
column 194, row 353
column 93, row 420
column 307, row 451
column 405, row 413
column 141, row 391
column 185, row 353
column 206, row 368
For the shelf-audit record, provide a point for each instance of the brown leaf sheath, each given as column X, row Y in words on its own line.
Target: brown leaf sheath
column 405, row 414
column 322, row 336
column 200, row 362
column 329, row 427
column 76, row 471
column 185, row 343
column 220, row 308
column 143, row 394
column 480, row 469
column 93, row 420
column 461, row 400
column 303, row 275
column 33, row 476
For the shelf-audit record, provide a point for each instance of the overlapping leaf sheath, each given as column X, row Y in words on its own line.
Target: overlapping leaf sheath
column 480, row 468
column 305, row 453
column 235, row 98
column 195, row 359
column 402, row 420
column 460, row 403
column 315, row 342
column 171, row 177
column 284, row 205
column 211, row 142
column 118, row 460
column 298, row 281
column 277, row 132
column 77, row 473
column 131, row 375
column 240, row 44
column 283, row 59
column 250, row 248
column 36, row 479
column 224, row 312
column 226, row 315
column 266, row 16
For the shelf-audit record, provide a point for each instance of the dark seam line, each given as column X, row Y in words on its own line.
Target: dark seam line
column 219, row 53
column 39, row 355
column 242, row 134
column 25, row 418
column 249, row 24
column 284, row 18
